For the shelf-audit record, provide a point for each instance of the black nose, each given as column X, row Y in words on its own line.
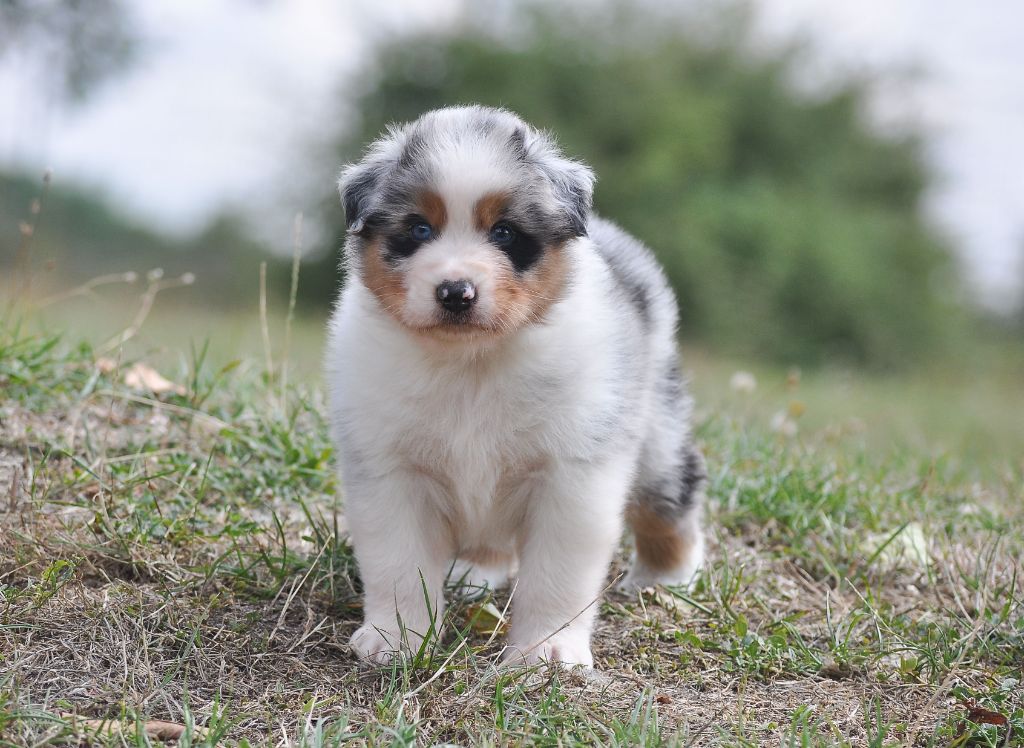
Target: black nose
column 456, row 296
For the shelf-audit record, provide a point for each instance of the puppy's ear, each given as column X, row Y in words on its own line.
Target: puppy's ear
column 572, row 182
column 574, row 188
column 359, row 185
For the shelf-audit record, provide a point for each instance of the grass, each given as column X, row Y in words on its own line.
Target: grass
column 182, row 557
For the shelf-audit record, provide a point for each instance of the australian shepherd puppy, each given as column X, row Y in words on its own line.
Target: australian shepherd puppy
column 504, row 388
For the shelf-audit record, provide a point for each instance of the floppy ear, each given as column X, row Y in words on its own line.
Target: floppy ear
column 572, row 183
column 359, row 185
column 574, row 188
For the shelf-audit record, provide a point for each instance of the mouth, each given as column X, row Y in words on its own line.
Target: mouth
column 450, row 326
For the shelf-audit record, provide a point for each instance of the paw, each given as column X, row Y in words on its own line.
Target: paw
column 566, row 648
column 641, row 578
column 375, row 644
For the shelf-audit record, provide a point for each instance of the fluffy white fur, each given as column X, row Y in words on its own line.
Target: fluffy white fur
column 518, row 446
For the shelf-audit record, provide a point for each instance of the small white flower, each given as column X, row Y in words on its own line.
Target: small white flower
column 743, row 382
column 781, row 423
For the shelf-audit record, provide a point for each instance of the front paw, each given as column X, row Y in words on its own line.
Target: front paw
column 566, row 648
column 375, row 644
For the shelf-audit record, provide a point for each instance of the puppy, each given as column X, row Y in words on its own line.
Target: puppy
column 504, row 388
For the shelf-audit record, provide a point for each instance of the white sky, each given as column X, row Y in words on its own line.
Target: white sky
column 229, row 92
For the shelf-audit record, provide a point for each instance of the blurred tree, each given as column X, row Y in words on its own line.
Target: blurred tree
column 1019, row 315
column 78, row 42
column 82, row 236
column 789, row 227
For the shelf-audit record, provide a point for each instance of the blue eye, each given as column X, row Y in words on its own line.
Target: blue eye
column 421, row 232
column 502, row 235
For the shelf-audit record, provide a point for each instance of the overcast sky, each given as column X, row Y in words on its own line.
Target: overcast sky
column 229, row 92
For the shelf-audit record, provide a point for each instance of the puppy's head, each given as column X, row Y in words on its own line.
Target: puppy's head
column 458, row 222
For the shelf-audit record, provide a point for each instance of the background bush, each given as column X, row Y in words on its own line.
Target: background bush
column 789, row 226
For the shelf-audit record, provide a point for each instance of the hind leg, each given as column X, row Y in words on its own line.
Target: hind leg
column 664, row 514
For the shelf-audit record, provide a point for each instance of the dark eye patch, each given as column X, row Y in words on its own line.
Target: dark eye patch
column 535, row 230
column 523, row 250
column 401, row 241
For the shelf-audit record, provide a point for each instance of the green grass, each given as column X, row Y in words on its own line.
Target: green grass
column 182, row 557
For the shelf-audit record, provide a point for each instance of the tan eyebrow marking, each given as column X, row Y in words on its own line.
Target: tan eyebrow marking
column 433, row 209
column 489, row 209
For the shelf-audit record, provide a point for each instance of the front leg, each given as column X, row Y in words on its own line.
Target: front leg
column 573, row 525
column 402, row 549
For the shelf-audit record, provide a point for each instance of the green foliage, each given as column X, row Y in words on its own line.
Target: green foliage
column 789, row 226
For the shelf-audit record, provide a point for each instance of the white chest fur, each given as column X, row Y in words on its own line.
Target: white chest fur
column 479, row 423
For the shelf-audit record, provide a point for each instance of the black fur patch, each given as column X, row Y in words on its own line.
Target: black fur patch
column 517, row 143
column 399, row 244
column 536, row 231
column 636, row 293
column 355, row 197
column 524, row 251
column 674, row 498
column 671, row 385
column 638, row 297
column 414, row 144
column 693, row 475
column 692, row 470
column 371, row 192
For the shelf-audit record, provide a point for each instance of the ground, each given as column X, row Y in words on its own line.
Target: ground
column 175, row 550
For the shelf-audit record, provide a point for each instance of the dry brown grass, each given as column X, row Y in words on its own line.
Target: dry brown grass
column 182, row 558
